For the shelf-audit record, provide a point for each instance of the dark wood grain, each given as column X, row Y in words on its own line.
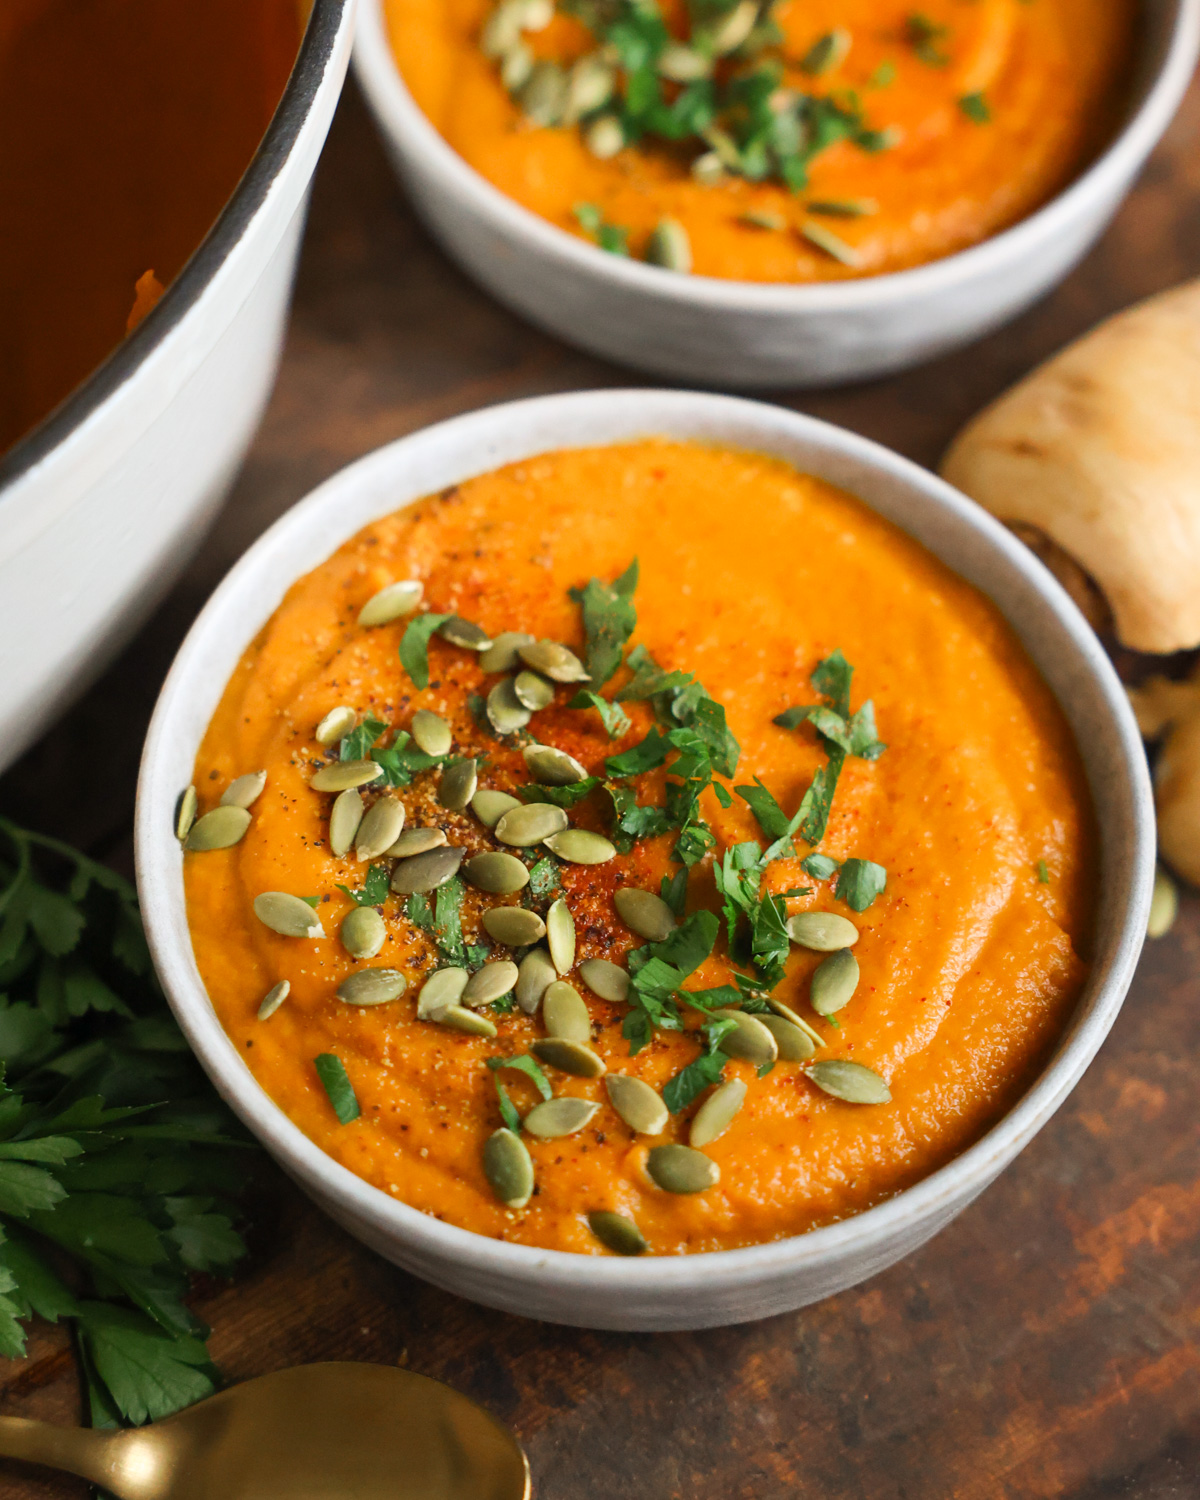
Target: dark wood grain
column 1046, row 1344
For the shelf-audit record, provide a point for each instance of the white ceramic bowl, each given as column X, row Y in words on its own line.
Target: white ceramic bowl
column 103, row 503
column 729, row 333
column 654, row 1292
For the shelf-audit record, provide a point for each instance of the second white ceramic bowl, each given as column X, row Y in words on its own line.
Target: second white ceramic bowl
column 654, row 1292
column 729, row 333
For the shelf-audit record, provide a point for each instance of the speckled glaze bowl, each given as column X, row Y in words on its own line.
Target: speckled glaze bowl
column 654, row 1292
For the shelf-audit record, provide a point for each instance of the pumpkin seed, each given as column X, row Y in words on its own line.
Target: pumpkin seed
column 604, row 137
column 489, row 807
column 788, row 1014
column 564, row 1013
column 444, row 987
column 554, row 1118
column 431, row 732
column 363, row 932
column 834, row 981
column 640, row 1106
column 670, row 247
column 416, row 841
column 392, row 601
column 380, row 829
column 545, row 94
column 560, row 936
column 607, row 980
column 336, row 725
column 501, row 655
column 339, row 775
column 617, row 1233
column 731, row 29
column 273, row 999
column 590, row 84
column 535, row 973
column 533, row 691
column 749, row 1039
column 850, row 1081
column 501, row 31
column 822, row 931
column 498, row 874
column 508, row 1168
column 535, row 15
column 219, row 829
column 458, row 784
column 515, row 68
column 464, row 633
column 287, row 915
column 759, row 218
column 555, row 661
column 345, row 818
column 420, row 873
column 514, row 926
column 683, row 64
column 525, row 825
column 1164, row 905
column 579, row 846
column 244, row 791
column 459, row 1018
column 681, row 1169
column 569, row 1057
column 716, row 1114
column 794, row 1045
column 708, row 169
column 489, row 983
column 372, row 987
column 553, row 767
column 505, row 712
column 185, row 813
column 645, row 913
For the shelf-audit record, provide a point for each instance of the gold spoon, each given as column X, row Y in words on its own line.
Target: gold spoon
column 317, row 1432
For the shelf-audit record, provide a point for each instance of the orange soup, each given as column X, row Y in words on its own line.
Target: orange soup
column 679, row 907
column 771, row 140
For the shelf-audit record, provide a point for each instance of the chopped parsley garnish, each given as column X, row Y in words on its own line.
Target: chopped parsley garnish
column 611, row 237
column 1043, row 872
column 357, row 744
column 656, row 975
column 336, row 1083
column 860, row 881
column 609, row 619
column 414, row 646
column 976, row 108
column 544, row 879
column 925, row 37
column 401, row 761
column 613, row 716
column 707, row 1069
column 523, row 1064
column 561, row 796
column 375, row 887
column 819, row 866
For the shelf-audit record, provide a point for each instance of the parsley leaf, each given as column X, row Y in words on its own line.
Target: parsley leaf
column 561, row 796
column 819, row 866
column 336, row 1083
column 707, row 1069
column 375, row 887
column 634, row 820
column 414, row 646
column 860, row 882
column 148, row 1373
column 527, row 1065
column 401, row 763
column 544, row 878
column 614, row 718
column 357, row 744
column 772, row 819
column 609, row 619
column 646, row 755
column 657, row 971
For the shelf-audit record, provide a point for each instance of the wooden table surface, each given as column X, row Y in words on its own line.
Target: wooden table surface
column 1046, row 1344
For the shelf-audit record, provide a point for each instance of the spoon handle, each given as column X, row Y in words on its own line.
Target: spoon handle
column 79, row 1450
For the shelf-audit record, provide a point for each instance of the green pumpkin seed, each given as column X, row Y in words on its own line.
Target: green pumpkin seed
column 834, row 982
column 363, row 932
column 579, row 846
column 380, row 829
column 555, row 661
column 794, row 1045
column 342, row 774
column 731, row 29
column 508, row 1168
column 185, row 813
column 490, row 983
column 535, row 15
column 716, row 1114
column 545, row 94
column 554, row 1118
column 788, row 1014
column 498, row 874
column 416, row 841
column 822, row 931
column 442, row 988
column 336, row 725
column 505, row 712
column 459, row 1018
column 850, row 1081
column 533, row 691
column 607, row 980
column 560, row 936
column 604, row 137
column 749, row 1039
column 464, row 633
column 553, row 767
column 640, row 1106
column 708, row 169
column 392, row 601
column 670, row 247
column 421, row 873
column 1164, row 905
column 501, row 655
column 514, row 926
column 683, row 64
column 431, row 732
column 345, row 818
column 590, row 85
column 523, row 826
column 501, row 31
column 458, row 784
column 273, row 999
column 680, row 1169
column 617, row 1233
column 515, row 67
column 287, row 915
column 565, row 1014
column 569, row 1057
column 489, row 807
column 219, row 829
column 372, row 987
column 244, row 791
column 645, row 913
column 535, row 973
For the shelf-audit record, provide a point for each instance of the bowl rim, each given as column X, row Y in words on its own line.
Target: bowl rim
column 316, row 49
column 530, row 423
column 397, row 112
